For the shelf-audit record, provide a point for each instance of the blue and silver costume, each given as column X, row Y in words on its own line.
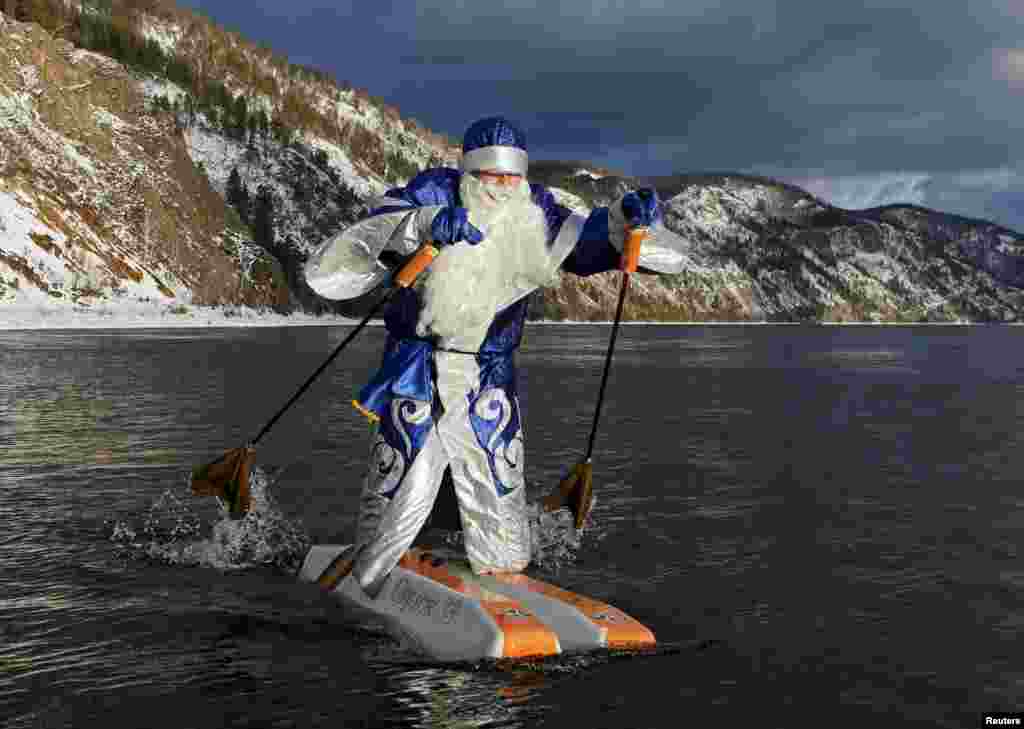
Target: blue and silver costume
column 453, row 403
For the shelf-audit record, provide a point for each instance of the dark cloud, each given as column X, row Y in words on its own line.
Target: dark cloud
column 804, row 90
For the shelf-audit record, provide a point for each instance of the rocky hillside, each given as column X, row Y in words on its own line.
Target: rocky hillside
column 116, row 163
column 761, row 250
column 99, row 199
column 201, row 169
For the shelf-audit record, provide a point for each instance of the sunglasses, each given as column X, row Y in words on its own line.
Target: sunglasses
column 504, row 178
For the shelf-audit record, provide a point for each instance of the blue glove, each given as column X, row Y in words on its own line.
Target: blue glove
column 451, row 225
column 640, row 208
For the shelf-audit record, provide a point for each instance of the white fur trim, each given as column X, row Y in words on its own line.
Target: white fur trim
column 466, row 285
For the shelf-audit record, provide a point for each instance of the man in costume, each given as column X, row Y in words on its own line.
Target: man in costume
column 445, row 396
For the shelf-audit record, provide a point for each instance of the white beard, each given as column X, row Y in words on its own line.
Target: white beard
column 466, row 285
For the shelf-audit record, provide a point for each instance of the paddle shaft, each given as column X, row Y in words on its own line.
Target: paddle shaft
column 403, row 279
column 607, row 366
column 630, row 257
column 321, row 368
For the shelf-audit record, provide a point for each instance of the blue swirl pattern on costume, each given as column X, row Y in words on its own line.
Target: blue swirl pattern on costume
column 407, row 369
column 403, row 431
column 494, row 416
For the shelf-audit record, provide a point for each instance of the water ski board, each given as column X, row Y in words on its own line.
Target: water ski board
column 435, row 603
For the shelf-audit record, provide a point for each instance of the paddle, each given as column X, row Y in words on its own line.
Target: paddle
column 227, row 477
column 576, row 490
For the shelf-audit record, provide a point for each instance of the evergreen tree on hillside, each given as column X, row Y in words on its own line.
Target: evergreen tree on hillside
column 179, row 72
column 263, row 218
column 94, row 25
column 20, row 10
column 264, row 125
column 190, row 109
column 152, row 58
column 238, row 118
column 281, row 132
column 238, row 195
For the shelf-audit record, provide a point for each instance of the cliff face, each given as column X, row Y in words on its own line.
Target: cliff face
column 99, row 198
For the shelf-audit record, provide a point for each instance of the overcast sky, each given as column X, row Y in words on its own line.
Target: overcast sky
column 862, row 103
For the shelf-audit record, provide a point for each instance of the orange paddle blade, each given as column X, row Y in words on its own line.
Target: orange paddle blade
column 227, row 478
column 575, row 492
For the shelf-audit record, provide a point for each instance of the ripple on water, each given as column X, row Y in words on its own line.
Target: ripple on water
column 895, row 583
column 732, row 556
column 1015, row 579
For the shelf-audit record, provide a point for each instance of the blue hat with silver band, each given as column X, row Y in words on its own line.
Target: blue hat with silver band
column 495, row 144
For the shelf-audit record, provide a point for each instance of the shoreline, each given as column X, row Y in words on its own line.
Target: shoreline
column 143, row 316
column 209, row 317
column 783, row 323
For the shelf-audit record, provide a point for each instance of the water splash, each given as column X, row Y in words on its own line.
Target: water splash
column 172, row 530
column 555, row 539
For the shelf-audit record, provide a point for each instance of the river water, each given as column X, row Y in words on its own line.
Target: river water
column 818, row 523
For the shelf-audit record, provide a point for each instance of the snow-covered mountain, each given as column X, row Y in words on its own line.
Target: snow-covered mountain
column 762, row 250
column 202, row 169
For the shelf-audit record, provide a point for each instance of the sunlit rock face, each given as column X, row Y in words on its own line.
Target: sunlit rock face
column 760, row 250
column 99, row 200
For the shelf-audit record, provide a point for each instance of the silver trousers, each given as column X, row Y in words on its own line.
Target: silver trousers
column 397, row 497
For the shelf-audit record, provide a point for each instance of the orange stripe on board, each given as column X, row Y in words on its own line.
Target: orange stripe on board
column 623, row 631
column 524, row 634
column 422, row 563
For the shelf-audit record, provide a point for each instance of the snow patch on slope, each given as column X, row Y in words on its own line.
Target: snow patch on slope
column 153, row 87
column 38, row 265
column 164, row 35
column 142, row 314
column 365, row 186
column 16, row 108
column 709, row 213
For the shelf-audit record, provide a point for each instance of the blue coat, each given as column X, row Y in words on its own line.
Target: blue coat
column 406, row 372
